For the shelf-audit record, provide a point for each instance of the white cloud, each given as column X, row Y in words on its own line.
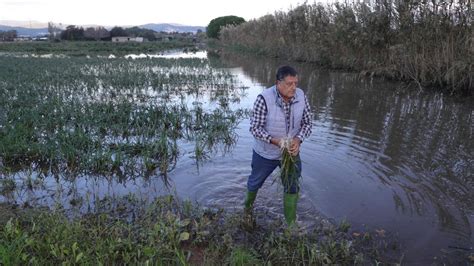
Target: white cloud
column 136, row 12
column 22, row 3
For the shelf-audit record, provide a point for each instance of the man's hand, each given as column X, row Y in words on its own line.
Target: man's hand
column 295, row 146
column 275, row 141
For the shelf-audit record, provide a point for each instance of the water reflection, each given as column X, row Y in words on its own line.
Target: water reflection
column 170, row 54
column 385, row 154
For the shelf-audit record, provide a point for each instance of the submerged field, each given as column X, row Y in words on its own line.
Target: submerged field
column 122, row 120
column 112, row 116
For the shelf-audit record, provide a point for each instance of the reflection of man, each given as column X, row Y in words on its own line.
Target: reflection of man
column 281, row 111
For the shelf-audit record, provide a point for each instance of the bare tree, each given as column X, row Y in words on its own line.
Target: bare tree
column 54, row 31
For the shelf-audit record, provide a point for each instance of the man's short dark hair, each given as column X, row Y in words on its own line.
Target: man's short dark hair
column 285, row 71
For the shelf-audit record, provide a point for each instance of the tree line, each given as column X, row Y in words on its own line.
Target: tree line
column 428, row 42
column 76, row 33
column 8, row 36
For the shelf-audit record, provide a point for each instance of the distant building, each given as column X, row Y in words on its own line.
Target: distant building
column 127, row 39
column 22, row 39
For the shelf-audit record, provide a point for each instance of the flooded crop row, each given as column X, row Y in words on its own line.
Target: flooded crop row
column 113, row 117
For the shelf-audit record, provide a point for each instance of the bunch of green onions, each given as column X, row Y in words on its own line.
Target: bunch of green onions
column 288, row 168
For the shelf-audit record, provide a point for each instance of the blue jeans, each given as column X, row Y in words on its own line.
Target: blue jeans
column 262, row 168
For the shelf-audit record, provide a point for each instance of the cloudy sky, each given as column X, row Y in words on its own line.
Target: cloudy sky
column 136, row 12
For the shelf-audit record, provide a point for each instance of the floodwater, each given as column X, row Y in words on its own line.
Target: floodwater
column 381, row 156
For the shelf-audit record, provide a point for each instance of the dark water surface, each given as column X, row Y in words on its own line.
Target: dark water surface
column 382, row 156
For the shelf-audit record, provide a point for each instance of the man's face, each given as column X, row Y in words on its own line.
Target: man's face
column 287, row 87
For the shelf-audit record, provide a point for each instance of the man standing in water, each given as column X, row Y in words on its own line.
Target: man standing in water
column 279, row 112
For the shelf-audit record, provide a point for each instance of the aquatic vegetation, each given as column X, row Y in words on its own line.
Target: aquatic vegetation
column 288, row 169
column 166, row 231
column 7, row 186
column 112, row 116
column 344, row 226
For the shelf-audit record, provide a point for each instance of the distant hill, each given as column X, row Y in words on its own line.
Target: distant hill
column 33, row 29
column 168, row 27
column 25, row 31
column 24, row 24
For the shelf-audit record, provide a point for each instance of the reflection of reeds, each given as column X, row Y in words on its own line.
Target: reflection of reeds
column 108, row 117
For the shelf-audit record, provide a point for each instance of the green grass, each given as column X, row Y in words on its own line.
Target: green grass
column 112, row 116
column 167, row 232
column 82, row 48
column 242, row 256
column 289, row 164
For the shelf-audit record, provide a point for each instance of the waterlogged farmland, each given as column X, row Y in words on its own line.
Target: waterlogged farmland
column 97, row 139
column 112, row 117
column 87, row 147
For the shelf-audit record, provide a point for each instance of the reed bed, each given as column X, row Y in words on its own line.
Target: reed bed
column 427, row 42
